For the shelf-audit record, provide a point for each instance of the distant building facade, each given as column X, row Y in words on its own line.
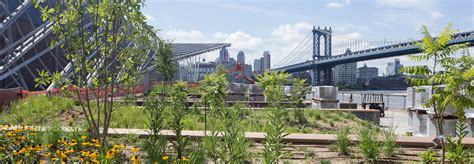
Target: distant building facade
column 241, row 57
column 257, row 66
column 345, row 73
column 223, row 56
column 388, row 83
column 205, row 69
column 365, row 73
column 393, row 68
column 266, row 60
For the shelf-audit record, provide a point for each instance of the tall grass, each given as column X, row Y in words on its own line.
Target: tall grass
column 37, row 110
column 368, row 144
column 342, row 141
column 389, row 142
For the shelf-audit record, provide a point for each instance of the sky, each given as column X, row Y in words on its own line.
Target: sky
column 254, row 26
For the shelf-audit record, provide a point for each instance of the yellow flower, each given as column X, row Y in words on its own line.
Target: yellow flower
column 135, row 159
column 110, row 154
column 184, row 159
column 81, row 159
column 83, row 137
column 135, row 149
column 165, row 158
column 93, row 155
column 54, row 159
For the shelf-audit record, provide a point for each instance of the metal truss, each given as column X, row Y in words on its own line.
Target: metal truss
column 25, row 50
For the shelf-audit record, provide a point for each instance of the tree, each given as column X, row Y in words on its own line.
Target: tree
column 106, row 42
column 273, row 82
column 440, row 53
column 298, row 93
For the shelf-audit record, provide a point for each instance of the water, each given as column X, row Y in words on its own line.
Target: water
column 392, row 99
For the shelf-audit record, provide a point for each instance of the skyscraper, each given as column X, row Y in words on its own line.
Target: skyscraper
column 257, row 65
column 224, row 56
column 266, row 60
column 241, row 57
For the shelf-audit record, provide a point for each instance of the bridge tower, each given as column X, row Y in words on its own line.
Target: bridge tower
column 326, row 72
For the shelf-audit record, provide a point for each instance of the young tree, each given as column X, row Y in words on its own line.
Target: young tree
column 440, row 53
column 105, row 42
column 298, row 93
column 273, row 82
column 179, row 108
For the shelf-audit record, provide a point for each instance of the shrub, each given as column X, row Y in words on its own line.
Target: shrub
column 428, row 156
column 389, row 142
column 368, row 143
column 457, row 152
column 342, row 141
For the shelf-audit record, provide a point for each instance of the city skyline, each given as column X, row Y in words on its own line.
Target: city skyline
column 277, row 26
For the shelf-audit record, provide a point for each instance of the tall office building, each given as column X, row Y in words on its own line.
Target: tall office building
column 257, row 65
column 393, row 68
column 241, row 57
column 266, row 60
column 224, row 56
column 365, row 73
column 345, row 73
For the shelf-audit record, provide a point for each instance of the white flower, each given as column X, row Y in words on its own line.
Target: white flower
column 472, row 83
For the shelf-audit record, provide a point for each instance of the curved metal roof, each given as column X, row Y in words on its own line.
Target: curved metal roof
column 186, row 50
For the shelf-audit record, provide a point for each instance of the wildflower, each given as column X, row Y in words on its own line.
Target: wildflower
column 54, row 159
column 135, row 149
column 110, row 154
column 184, row 159
column 135, row 159
column 80, row 158
column 165, row 158
column 83, row 137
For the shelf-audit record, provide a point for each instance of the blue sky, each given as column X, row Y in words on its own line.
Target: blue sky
column 279, row 25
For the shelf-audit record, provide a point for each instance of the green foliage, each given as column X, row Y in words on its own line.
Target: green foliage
column 46, row 109
column 155, row 146
column 273, row 82
column 457, row 152
column 457, row 92
column 106, row 51
column 299, row 91
column 53, row 134
column 428, row 156
column 368, row 144
column 214, row 92
column 343, row 141
column 165, row 65
column 233, row 146
column 179, row 108
column 124, row 116
column 389, row 142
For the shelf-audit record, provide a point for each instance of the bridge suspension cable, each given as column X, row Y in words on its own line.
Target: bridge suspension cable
column 294, row 53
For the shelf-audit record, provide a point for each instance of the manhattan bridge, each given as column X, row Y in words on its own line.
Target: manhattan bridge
column 318, row 53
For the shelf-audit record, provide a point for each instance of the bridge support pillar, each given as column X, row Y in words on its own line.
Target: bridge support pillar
column 315, row 77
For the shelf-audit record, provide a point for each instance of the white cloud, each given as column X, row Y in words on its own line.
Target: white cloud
column 180, row 35
column 338, row 4
column 149, row 18
column 291, row 32
column 242, row 41
column 436, row 15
